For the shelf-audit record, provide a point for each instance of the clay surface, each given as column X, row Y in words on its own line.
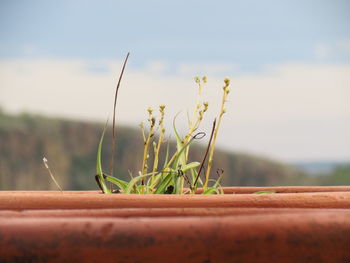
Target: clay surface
column 23, row 200
column 293, row 225
column 159, row 212
column 299, row 237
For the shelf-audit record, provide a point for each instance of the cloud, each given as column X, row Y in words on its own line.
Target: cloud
column 193, row 69
column 288, row 111
column 335, row 50
column 345, row 46
column 322, row 51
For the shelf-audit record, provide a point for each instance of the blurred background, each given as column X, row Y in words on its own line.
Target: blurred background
column 287, row 120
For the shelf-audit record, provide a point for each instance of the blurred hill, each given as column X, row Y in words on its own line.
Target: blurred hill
column 70, row 146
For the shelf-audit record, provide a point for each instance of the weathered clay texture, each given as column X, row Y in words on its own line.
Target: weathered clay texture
column 91, row 227
column 22, row 200
column 299, row 237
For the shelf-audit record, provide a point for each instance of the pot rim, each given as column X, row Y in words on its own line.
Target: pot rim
column 227, row 190
column 23, row 200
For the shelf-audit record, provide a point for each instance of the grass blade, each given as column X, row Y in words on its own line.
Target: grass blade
column 209, row 190
column 134, row 181
column 164, row 183
column 114, row 110
column 266, row 192
column 190, row 166
column 120, row 183
column 99, row 171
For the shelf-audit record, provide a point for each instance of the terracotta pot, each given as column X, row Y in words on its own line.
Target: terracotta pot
column 299, row 237
column 90, row 200
column 285, row 189
column 227, row 190
column 91, row 227
column 158, row 212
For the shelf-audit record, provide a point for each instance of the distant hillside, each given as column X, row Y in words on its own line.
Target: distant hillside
column 70, row 147
column 320, row 167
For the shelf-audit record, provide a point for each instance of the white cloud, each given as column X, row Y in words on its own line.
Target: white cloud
column 345, row 46
column 322, row 51
column 337, row 49
column 290, row 111
column 194, row 69
column 28, row 50
column 157, row 67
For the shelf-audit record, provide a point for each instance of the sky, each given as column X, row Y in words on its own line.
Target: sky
column 288, row 61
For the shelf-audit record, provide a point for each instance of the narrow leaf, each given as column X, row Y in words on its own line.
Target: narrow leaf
column 99, row 171
column 265, row 192
column 133, row 182
column 120, row 183
column 164, row 184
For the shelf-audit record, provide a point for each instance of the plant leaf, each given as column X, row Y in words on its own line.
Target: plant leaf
column 99, row 171
column 133, row 182
column 179, row 144
column 190, row 166
column 164, row 183
column 265, row 192
column 156, row 179
column 182, row 149
column 166, row 155
column 120, row 183
column 209, row 190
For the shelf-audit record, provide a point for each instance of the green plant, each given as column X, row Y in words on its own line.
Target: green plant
column 176, row 172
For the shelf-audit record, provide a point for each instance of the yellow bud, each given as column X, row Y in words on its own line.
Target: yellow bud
column 197, row 80
column 150, row 110
column 153, row 121
column 205, row 104
column 227, row 81
column 204, row 79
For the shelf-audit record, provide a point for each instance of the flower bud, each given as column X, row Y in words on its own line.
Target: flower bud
column 205, row 104
column 227, row 81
